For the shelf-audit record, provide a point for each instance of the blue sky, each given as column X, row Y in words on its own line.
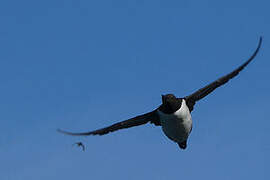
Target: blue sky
column 81, row 65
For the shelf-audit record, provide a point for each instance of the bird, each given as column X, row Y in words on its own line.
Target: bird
column 174, row 114
column 80, row 144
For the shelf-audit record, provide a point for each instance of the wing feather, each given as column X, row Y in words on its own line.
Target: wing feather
column 201, row 93
column 151, row 117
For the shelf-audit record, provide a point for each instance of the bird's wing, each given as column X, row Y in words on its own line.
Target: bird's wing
column 151, row 117
column 201, row 93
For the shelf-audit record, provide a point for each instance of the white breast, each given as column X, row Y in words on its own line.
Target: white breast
column 177, row 126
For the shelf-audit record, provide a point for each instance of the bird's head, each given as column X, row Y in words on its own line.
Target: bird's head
column 170, row 103
column 167, row 98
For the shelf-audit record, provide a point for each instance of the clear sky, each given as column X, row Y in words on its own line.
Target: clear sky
column 81, row 65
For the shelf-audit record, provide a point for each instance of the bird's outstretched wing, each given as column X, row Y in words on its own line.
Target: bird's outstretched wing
column 201, row 93
column 151, row 117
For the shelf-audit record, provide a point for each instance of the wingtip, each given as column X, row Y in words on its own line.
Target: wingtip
column 256, row 51
column 60, row 131
column 260, row 41
column 75, row 134
column 65, row 132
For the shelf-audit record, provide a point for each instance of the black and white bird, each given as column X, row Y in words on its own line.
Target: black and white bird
column 174, row 114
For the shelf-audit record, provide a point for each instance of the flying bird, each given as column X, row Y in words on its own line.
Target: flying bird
column 174, row 114
column 80, row 144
